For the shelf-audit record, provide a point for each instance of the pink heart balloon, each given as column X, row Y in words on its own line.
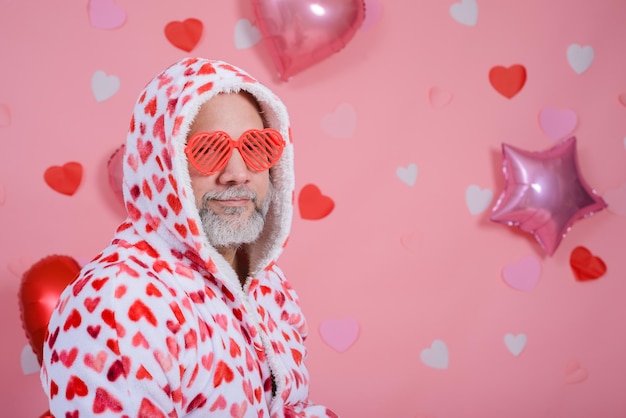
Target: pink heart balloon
column 300, row 33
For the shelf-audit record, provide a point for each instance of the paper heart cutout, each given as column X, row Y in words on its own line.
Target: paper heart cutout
column 184, row 35
column 104, row 86
column 301, row 33
column 341, row 123
column 246, row 34
column 28, row 360
column 477, row 199
column 508, row 81
column 523, row 275
column 579, row 57
column 616, row 198
column 465, row 12
column 105, row 14
column 373, row 15
column 515, row 343
column 19, row 265
column 313, row 204
column 411, row 241
column 5, row 115
column 556, row 123
column 407, row 174
column 339, row 334
column 575, row 373
column 439, row 97
column 64, row 179
column 585, row 265
column 436, row 356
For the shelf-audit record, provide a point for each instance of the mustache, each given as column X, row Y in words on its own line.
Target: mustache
column 229, row 194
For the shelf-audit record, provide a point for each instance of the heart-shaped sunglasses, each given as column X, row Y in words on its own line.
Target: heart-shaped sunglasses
column 209, row 152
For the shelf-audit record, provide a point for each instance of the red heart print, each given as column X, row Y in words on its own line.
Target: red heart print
column 222, row 372
column 184, row 35
column 104, row 400
column 585, row 265
column 138, row 310
column 64, row 179
column 508, row 81
column 313, row 204
column 75, row 386
column 68, row 357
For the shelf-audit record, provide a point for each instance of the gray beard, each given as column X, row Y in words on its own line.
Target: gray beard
column 232, row 229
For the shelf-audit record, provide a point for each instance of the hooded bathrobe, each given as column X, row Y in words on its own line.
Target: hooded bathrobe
column 158, row 324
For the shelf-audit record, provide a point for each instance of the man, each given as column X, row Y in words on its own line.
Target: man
column 185, row 313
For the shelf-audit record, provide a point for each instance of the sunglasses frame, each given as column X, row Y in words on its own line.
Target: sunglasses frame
column 268, row 139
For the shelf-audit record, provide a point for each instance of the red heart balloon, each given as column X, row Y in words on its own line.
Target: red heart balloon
column 300, row 33
column 39, row 293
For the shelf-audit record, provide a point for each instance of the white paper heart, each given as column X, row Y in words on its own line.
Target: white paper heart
column 580, row 57
column 477, row 199
column 407, row 174
column 341, row 123
column 436, row 356
column 465, row 12
column 104, row 86
column 28, row 360
column 515, row 343
column 246, row 34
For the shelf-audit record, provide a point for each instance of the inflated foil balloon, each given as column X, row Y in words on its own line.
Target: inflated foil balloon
column 545, row 193
column 300, row 33
column 116, row 173
column 39, row 292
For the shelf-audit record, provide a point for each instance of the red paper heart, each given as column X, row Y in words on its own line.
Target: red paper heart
column 184, row 35
column 585, row 265
column 313, row 204
column 508, row 81
column 64, row 179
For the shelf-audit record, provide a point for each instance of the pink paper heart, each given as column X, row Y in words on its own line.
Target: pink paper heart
column 105, row 14
column 339, row 334
column 374, row 12
column 616, row 200
column 341, row 123
column 439, row 97
column 575, row 373
column 5, row 115
column 557, row 123
column 523, row 275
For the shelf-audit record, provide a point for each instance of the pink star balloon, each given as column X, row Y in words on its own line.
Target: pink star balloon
column 545, row 193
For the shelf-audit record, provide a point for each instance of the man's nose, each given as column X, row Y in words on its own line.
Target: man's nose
column 235, row 171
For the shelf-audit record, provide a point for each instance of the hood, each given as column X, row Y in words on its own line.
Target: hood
column 157, row 187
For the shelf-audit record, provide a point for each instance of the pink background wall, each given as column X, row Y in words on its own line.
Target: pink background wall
column 404, row 281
